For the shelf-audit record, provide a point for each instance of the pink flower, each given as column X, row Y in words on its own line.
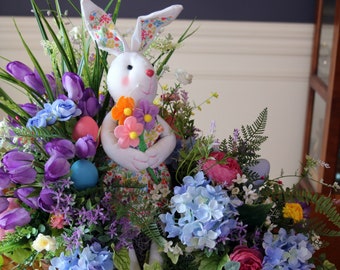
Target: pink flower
column 249, row 258
column 128, row 133
column 57, row 221
column 221, row 170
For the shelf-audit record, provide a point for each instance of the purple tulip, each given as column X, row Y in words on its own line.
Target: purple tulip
column 25, row 195
column 32, row 78
column 89, row 104
column 18, row 165
column 24, row 177
column 86, row 147
column 18, row 70
column 56, row 167
column 35, row 82
column 4, row 179
column 13, row 218
column 15, row 160
column 47, row 200
column 73, row 85
column 65, row 109
column 30, row 108
column 4, row 203
column 60, row 147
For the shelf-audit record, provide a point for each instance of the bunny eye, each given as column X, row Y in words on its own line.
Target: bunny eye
column 129, row 67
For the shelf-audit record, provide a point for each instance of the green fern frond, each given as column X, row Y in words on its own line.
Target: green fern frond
column 42, row 133
column 246, row 146
column 322, row 205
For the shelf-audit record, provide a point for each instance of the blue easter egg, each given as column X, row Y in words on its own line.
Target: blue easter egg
column 84, row 174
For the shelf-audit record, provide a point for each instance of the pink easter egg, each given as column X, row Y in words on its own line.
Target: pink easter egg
column 85, row 126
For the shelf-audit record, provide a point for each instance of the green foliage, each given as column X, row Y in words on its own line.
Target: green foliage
column 322, row 205
column 247, row 211
column 245, row 146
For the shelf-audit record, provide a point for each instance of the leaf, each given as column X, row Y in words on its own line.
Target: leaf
column 247, row 213
column 154, row 266
column 232, row 266
column 214, row 262
column 173, row 257
column 121, row 259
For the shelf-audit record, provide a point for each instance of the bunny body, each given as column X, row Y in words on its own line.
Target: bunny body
column 132, row 75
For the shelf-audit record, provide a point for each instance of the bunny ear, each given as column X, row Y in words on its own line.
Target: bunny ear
column 102, row 29
column 148, row 26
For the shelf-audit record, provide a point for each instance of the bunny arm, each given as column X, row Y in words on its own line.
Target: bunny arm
column 134, row 159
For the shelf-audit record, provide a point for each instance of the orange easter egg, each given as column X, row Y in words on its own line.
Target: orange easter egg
column 85, row 126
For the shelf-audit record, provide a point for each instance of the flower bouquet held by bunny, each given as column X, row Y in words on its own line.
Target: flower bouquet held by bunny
column 100, row 171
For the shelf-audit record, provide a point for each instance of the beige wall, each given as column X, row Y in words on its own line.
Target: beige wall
column 250, row 65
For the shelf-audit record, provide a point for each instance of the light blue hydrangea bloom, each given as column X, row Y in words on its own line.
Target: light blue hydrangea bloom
column 92, row 257
column 199, row 213
column 287, row 251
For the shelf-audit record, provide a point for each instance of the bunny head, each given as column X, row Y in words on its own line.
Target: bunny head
column 130, row 73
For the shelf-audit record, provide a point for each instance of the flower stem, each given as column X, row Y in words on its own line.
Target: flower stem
column 143, row 148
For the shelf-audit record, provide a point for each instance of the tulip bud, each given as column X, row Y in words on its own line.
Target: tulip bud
column 73, row 85
column 13, row 218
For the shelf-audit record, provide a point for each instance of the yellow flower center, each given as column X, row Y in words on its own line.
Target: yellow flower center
column 133, row 135
column 127, row 111
column 147, row 118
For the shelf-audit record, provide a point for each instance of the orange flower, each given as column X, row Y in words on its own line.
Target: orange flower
column 293, row 211
column 123, row 109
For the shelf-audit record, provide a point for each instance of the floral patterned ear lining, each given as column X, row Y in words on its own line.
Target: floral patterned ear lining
column 105, row 32
column 149, row 30
column 102, row 29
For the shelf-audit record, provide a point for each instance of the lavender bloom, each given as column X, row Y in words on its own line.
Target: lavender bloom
column 18, row 165
column 65, row 109
column 146, row 114
column 4, row 203
column 56, row 167
column 4, row 179
column 89, row 104
column 47, row 200
column 73, row 85
column 13, row 218
column 24, row 194
column 86, row 147
column 61, row 148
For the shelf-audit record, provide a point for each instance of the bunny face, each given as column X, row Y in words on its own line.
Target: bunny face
column 131, row 74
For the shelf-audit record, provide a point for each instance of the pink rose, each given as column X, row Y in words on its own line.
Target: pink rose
column 249, row 258
column 221, row 170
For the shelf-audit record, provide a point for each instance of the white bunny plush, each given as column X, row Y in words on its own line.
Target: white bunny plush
column 132, row 76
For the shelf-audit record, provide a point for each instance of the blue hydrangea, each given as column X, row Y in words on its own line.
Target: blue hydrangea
column 199, row 213
column 92, row 257
column 287, row 251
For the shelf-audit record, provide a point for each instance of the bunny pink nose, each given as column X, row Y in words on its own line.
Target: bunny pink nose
column 150, row 72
